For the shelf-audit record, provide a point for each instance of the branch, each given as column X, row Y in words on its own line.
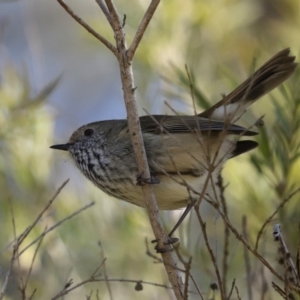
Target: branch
column 142, row 28
column 211, row 253
column 115, row 21
column 88, row 28
column 270, row 218
column 243, row 240
column 56, row 225
column 19, row 240
column 28, row 230
column 125, row 64
column 105, row 11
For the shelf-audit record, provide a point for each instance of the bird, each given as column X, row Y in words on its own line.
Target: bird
column 185, row 153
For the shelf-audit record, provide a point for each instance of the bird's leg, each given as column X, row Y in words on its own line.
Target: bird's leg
column 173, row 240
column 141, row 181
column 183, row 216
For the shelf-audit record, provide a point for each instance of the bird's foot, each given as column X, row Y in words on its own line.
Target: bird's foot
column 142, row 181
column 171, row 241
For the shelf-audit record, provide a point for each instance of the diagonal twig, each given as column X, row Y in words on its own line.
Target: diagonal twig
column 142, row 28
column 270, row 218
column 56, row 225
column 104, row 9
column 94, row 33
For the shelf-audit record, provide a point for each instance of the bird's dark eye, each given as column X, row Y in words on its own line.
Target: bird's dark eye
column 88, row 132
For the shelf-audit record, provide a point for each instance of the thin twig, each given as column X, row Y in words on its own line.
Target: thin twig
column 290, row 266
column 67, row 289
column 252, row 250
column 211, row 253
column 125, row 64
column 197, row 287
column 115, row 20
column 279, row 290
column 187, row 266
column 94, row 278
column 270, row 218
column 104, row 271
column 142, row 28
column 56, row 225
column 28, row 230
column 140, row 154
column 32, row 261
column 231, row 290
column 16, row 250
column 104, row 9
column 237, row 293
column 94, row 33
column 19, row 240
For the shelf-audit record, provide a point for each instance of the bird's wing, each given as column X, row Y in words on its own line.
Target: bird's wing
column 158, row 124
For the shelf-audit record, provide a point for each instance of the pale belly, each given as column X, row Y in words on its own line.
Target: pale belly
column 173, row 193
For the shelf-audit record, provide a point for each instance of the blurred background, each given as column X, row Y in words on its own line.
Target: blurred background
column 55, row 77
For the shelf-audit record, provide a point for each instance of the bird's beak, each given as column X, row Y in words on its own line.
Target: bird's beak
column 64, row 147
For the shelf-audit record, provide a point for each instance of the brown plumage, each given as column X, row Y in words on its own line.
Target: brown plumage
column 184, row 152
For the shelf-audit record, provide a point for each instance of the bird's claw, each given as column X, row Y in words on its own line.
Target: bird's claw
column 142, row 181
column 170, row 241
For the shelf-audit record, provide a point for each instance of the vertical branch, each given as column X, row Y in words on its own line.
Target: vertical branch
column 126, row 73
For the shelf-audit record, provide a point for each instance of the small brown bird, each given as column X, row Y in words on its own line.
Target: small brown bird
column 185, row 153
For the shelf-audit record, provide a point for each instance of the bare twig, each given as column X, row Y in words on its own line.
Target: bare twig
column 211, row 253
column 19, row 240
column 242, row 239
column 187, row 266
column 104, row 271
column 127, row 79
column 270, row 218
column 125, row 64
column 32, row 261
column 67, row 289
column 116, row 22
column 15, row 250
column 142, row 28
column 278, row 289
column 88, row 28
column 197, row 287
column 56, row 225
column 28, row 230
column 290, row 266
column 231, row 290
column 237, row 293
column 95, row 278
column 105, row 11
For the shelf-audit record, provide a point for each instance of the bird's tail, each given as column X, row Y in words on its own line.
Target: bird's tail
column 275, row 71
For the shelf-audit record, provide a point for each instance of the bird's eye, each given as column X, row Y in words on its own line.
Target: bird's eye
column 88, row 132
